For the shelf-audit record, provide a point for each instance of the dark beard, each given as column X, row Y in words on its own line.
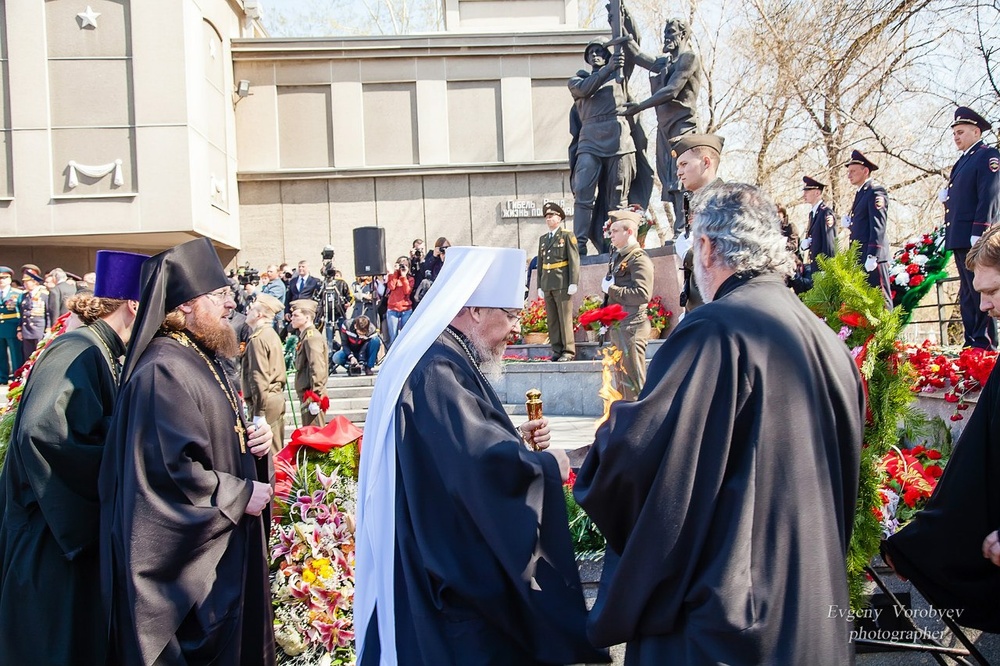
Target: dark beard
column 213, row 335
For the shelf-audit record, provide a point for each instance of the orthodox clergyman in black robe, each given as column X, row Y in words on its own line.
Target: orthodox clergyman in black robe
column 727, row 491
column 464, row 555
column 50, row 601
column 183, row 559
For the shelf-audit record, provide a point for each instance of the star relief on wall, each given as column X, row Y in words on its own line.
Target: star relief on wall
column 88, row 19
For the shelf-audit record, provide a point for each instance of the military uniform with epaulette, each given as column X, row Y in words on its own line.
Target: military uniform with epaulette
column 971, row 205
column 867, row 221
column 10, row 321
column 558, row 275
column 632, row 272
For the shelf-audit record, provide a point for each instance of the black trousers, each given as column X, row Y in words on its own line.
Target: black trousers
column 980, row 329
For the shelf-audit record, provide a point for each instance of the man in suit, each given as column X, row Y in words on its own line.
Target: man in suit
column 558, row 275
column 302, row 286
column 867, row 221
column 629, row 283
column 820, row 236
column 10, row 321
column 970, row 208
column 60, row 293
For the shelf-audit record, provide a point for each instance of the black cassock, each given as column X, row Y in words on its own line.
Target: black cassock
column 941, row 549
column 50, row 602
column 485, row 572
column 727, row 491
column 183, row 568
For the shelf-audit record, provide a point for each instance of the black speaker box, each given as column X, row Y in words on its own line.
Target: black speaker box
column 369, row 251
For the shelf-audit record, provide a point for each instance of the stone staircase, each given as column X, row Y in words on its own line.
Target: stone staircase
column 349, row 396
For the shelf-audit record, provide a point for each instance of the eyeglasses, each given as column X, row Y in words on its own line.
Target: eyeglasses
column 512, row 315
column 219, row 296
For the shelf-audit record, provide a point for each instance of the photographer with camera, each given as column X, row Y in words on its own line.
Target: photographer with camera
column 399, row 307
column 361, row 346
column 417, row 255
column 336, row 298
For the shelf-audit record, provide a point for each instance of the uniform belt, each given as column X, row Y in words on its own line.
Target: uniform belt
column 603, row 117
column 552, row 267
column 9, row 316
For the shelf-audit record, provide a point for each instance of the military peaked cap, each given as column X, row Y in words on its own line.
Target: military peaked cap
column 553, row 207
column 966, row 116
column 812, row 184
column 857, row 157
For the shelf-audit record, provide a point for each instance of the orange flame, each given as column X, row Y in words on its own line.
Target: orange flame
column 611, row 357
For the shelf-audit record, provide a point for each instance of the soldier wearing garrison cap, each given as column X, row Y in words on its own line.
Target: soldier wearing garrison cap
column 867, row 221
column 10, row 322
column 558, row 275
column 698, row 157
column 821, row 232
column 629, row 283
column 970, row 208
column 312, row 364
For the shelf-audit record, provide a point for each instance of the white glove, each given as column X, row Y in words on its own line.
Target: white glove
column 682, row 244
column 845, row 221
column 806, row 243
column 943, row 195
column 606, row 283
column 571, row 289
column 973, row 240
column 313, row 409
column 870, row 263
column 541, row 294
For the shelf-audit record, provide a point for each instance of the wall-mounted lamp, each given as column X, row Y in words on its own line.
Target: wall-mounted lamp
column 243, row 88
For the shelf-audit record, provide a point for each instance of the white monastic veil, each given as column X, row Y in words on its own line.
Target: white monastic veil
column 473, row 276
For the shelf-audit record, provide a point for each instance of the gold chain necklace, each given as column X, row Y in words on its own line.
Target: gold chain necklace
column 112, row 361
column 227, row 388
column 472, row 357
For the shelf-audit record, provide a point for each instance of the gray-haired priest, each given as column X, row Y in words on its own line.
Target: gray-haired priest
column 727, row 491
column 183, row 484
column 463, row 551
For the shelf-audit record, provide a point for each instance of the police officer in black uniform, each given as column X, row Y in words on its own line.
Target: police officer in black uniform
column 867, row 222
column 970, row 208
column 821, row 232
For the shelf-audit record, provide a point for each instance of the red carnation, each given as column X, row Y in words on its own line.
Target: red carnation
column 933, row 471
column 933, row 454
column 911, row 496
column 904, row 258
column 913, row 269
column 956, row 417
column 916, row 279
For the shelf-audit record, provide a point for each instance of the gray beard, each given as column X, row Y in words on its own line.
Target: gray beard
column 490, row 361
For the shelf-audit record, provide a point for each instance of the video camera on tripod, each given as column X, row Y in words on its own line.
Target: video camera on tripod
column 328, row 268
column 246, row 275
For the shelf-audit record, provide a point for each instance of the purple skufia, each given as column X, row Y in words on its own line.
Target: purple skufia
column 118, row 274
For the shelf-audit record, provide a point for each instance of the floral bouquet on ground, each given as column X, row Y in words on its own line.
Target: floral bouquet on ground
column 937, row 369
column 659, row 316
column 588, row 542
column 312, row 546
column 590, row 303
column 606, row 317
column 916, row 268
column 534, row 318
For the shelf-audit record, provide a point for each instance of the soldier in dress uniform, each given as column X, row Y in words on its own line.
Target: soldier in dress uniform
column 312, row 365
column 867, row 222
column 264, row 368
column 10, row 322
column 970, row 208
column 35, row 315
column 629, row 283
column 821, row 233
column 558, row 275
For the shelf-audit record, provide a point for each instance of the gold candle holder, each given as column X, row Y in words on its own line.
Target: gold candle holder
column 533, row 406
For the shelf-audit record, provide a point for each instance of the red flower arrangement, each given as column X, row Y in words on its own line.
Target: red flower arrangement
column 534, row 318
column 659, row 316
column 608, row 316
column 936, row 369
column 911, row 476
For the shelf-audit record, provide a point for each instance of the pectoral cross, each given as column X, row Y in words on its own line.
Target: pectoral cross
column 241, row 433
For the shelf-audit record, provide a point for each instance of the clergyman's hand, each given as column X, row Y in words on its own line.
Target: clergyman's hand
column 262, row 494
column 536, row 432
column 260, row 435
column 991, row 547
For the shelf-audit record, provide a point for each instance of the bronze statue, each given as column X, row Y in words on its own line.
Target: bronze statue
column 674, row 83
column 602, row 152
